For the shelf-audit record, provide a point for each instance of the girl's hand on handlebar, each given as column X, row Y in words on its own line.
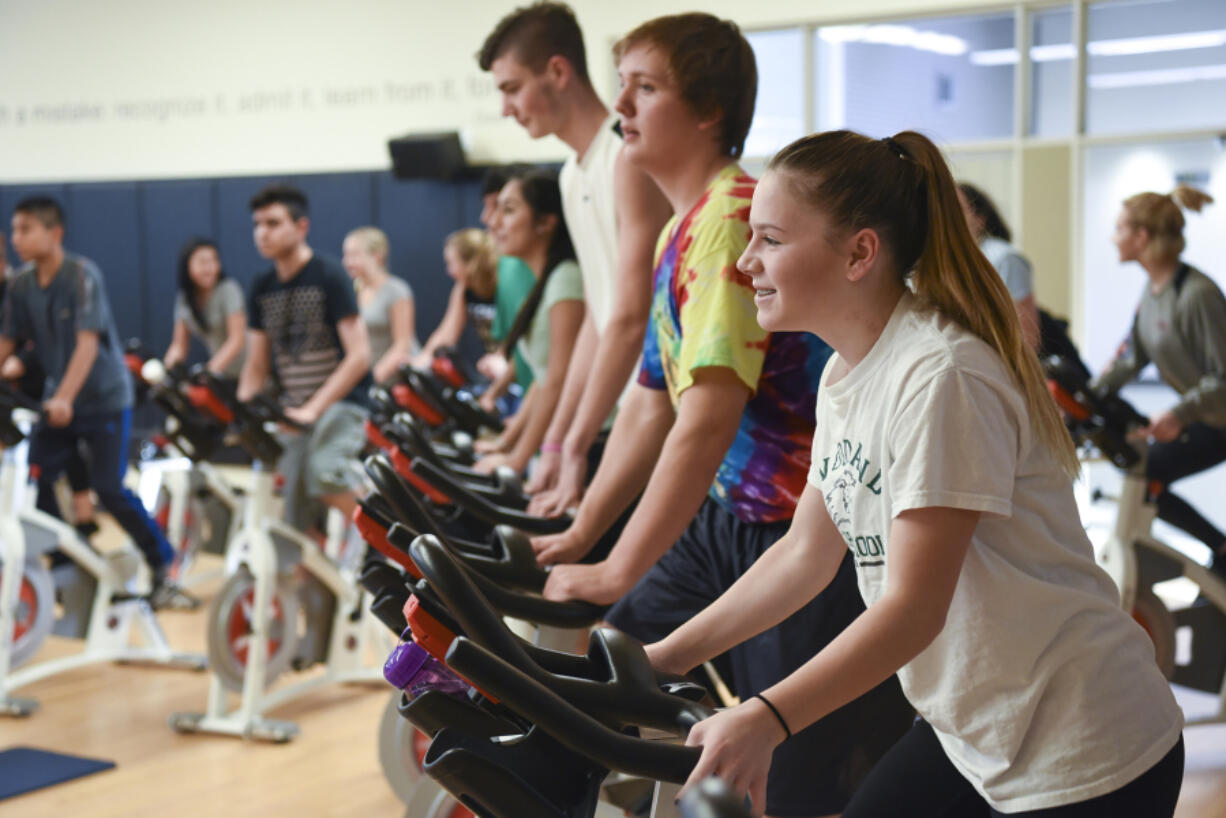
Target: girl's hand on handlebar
column 567, row 491
column 490, row 462
column 1164, row 428
column 492, row 365
column 737, row 745
column 489, row 446
column 544, row 475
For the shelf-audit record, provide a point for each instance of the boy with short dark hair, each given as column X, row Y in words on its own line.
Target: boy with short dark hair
column 717, row 433
column 58, row 303
column 304, row 324
column 613, row 212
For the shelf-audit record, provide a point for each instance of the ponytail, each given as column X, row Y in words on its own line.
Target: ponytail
column 902, row 188
column 1190, row 198
column 953, row 276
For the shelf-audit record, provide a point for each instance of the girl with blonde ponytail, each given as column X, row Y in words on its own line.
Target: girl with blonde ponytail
column 940, row 462
column 1180, row 326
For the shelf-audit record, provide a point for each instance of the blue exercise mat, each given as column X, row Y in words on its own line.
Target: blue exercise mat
column 24, row 769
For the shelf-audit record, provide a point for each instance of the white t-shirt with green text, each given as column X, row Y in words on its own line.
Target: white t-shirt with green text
column 1041, row 690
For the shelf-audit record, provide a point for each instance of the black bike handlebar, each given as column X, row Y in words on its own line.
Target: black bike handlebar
column 483, row 508
column 628, row 692
column 572, row 727
column 12, row 398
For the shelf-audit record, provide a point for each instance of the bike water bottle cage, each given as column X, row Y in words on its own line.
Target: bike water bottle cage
column 432, row 628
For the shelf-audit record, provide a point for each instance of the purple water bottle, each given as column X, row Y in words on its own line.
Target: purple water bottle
column 412, row 669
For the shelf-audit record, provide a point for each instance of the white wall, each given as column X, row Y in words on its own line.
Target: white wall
column 167, row 88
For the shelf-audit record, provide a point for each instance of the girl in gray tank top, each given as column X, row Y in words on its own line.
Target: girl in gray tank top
column 385, row 301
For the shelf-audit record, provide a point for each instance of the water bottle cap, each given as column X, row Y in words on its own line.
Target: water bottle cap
column 404, row 663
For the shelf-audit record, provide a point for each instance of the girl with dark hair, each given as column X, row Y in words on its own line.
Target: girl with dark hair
column 210, row 306
column 994, row 237
column 528, row 224
column 941, row 463
column 1180, row 326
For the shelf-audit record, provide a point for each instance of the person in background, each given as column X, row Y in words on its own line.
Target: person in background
column 384, row 300
column 537, row 58
column 58, row 303
column 1180, row 327
column 209, row 306
column 24, row 371
column 6, row 269
column 473, row 271
column 994, row 237
column 529, row 225
column 305, row 323
column 515, row 282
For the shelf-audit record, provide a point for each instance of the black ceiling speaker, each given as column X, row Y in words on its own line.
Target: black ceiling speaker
column 427, row 156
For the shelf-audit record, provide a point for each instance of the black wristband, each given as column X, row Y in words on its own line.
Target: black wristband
column 778, row 715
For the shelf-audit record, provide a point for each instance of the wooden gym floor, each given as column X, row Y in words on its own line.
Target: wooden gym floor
column 331, row 769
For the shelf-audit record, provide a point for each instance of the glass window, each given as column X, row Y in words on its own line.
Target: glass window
column 917, row 74
column 1051, row 72
column 779, row 115
column 1155, row 65
column 1111, row 174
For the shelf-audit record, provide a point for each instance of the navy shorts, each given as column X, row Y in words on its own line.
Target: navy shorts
column 817, row 770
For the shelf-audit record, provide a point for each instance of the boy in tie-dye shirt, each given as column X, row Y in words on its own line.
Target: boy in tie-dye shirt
column 703, row 315
column 717, row 431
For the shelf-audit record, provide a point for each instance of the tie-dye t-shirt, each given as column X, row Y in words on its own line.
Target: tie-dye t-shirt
column 703, row 314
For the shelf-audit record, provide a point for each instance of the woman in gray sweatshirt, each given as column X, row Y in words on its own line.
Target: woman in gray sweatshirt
column 1180, row 327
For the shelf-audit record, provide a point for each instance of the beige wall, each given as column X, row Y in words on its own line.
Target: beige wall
column 156, row 88
column 1048, row 219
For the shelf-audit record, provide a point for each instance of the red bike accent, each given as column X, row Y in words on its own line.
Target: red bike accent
column 1067, row 403
column 409, row 400
column 404, row 468
column 376, row 536
column 202, row 398
column 445, row 368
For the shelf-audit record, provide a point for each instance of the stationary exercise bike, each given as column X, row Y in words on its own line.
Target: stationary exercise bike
column 102, row 598
column 1133, row 556
column 542, row 729
column 193, row 502
column 504, row 566
column 286, row 605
